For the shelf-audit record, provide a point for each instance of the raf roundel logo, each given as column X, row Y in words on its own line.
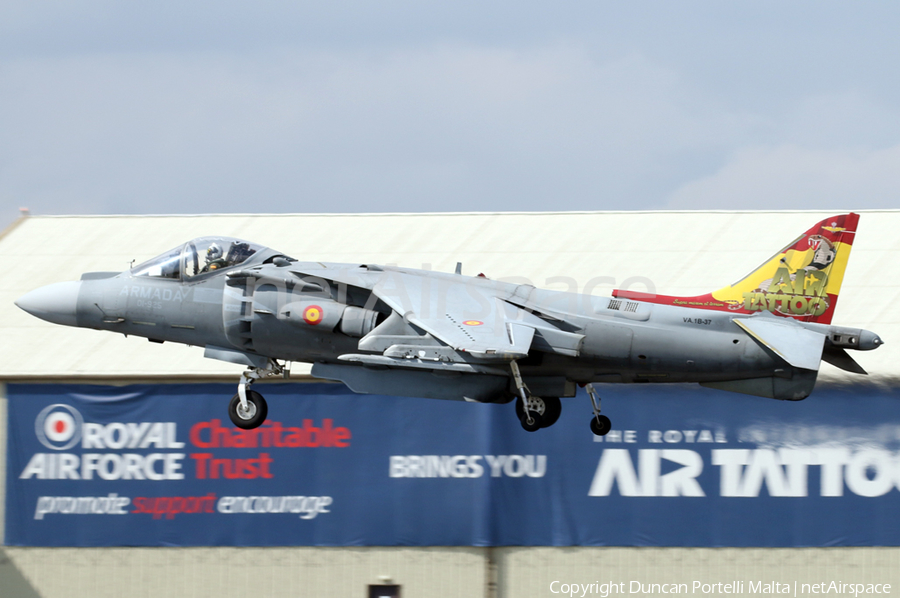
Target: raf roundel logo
column 58, row 426
column 473, row 322
column 312, row 315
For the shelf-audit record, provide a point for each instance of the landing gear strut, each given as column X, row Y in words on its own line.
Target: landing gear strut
column 534, row 412
column 600, row 424
column 248, row 408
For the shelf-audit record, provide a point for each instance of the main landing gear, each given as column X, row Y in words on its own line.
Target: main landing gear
column 543, row 412
column 248, row 408
column 534, row 412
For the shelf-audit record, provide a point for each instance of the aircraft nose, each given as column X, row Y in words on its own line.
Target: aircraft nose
column 55, row 303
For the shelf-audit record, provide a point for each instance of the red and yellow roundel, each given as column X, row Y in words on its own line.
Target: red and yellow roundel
column 473, row 322
column 312, row 315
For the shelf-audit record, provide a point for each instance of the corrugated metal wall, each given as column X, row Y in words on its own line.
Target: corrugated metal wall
column 269, row 572
column 434, row 572
column 527, row 572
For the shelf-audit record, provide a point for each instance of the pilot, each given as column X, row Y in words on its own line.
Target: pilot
column 214, row 258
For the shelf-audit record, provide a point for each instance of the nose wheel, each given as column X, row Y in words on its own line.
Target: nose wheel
column 248, row 408
column 251, row 416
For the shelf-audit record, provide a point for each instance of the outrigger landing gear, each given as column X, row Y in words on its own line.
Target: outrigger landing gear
column 248, row 408
column 534, row 412
column 600, row 424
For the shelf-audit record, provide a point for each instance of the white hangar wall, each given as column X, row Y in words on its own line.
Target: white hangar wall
column 433, row 572
column 682, row 253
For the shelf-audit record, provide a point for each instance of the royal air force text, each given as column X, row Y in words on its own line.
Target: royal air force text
column 169, row 465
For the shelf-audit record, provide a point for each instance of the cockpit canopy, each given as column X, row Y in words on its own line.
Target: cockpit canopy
column 198, row 257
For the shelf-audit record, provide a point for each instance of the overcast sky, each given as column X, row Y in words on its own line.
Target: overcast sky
column 217, row 106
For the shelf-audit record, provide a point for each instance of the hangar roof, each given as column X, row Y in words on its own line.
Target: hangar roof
column 678, row 253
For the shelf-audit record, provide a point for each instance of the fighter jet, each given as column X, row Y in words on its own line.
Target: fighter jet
column 405, row 332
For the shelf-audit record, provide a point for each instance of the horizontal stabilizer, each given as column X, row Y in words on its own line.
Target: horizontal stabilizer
column 839, row 358
column 795, row 344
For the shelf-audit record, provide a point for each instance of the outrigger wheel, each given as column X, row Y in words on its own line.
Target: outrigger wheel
column 253, row 416
column 600, row 425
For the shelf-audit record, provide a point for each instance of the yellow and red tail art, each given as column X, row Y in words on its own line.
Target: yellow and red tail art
column 801, row 281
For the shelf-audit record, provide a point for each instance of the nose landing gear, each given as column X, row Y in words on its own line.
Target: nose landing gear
column 251, row 416
column 248, row 408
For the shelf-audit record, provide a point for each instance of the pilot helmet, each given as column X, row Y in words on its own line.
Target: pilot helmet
column 213, row 253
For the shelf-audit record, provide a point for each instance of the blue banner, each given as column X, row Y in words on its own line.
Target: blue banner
column 161, row 465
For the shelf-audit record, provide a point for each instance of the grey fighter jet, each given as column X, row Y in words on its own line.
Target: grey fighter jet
column 400, row 331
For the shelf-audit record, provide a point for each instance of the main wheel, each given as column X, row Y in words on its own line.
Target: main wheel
column 537, row 422
column 552, row 411
column 600, row 425
column 254, row 416
column 536, row 408
column 535, row 405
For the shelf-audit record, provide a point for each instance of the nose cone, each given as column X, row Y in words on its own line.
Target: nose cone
column 55, row 303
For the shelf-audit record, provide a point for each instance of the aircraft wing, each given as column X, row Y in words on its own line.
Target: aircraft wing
column 468, row 315
column 472, row 315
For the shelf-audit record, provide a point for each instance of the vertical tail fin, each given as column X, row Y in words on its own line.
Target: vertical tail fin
column 801, row 281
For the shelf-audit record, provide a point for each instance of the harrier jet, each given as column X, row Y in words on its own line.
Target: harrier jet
column 406, row 332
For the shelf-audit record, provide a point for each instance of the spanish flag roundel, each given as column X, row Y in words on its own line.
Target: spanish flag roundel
column 473, row 322
column 312, row 315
